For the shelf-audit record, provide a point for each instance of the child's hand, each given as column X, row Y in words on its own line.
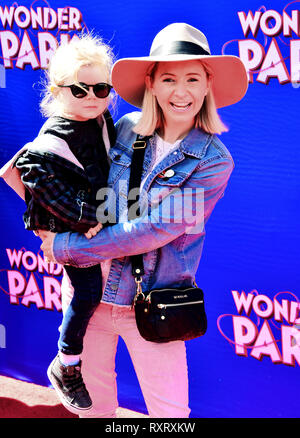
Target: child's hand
column 47, row 245
column 93, row 231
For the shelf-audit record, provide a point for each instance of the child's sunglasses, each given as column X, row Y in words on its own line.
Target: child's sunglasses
column 100, row 90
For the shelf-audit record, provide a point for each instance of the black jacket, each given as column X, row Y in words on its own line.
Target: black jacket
column 60, row 193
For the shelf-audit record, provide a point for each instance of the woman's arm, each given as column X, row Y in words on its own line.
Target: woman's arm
column 155, row 229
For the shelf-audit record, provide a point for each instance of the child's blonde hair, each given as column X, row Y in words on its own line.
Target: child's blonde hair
column 152, row 116
column 67, row 60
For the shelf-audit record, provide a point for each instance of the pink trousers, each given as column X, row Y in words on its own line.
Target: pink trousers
column 161, row 368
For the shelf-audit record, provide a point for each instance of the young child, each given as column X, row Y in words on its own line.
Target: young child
column 62, row 170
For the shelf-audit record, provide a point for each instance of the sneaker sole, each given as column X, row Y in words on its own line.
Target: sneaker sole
column 68, row 405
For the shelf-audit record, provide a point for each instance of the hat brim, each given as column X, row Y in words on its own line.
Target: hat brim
column 229, row 81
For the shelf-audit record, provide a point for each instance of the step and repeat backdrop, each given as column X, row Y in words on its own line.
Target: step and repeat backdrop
column 247, row 365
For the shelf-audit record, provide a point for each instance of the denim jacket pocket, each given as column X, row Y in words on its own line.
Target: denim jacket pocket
column 175, row 180
column 119, row 156
column 171, row 182
column 120, row 161
column 164, row 186
column 176, row 175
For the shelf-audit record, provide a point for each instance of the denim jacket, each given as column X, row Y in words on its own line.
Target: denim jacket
column 194, row 175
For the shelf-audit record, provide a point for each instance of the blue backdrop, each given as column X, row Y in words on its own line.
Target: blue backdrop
column 247, row 365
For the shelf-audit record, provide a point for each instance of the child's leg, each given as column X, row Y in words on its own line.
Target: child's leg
column 66, row 377
column 87, row 284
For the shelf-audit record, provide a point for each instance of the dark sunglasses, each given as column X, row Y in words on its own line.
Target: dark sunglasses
column 100, row 90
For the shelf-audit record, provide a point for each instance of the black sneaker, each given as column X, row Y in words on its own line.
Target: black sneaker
column 69, row 385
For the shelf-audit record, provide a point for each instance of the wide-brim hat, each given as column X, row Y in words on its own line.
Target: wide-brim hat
column 181, row 42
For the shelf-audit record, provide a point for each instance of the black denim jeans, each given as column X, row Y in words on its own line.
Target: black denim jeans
column 87, row 284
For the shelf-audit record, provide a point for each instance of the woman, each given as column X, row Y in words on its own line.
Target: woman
column 179, row 86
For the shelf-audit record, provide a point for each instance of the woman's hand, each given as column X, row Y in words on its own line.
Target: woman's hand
column 47, row 245
column 93, row 231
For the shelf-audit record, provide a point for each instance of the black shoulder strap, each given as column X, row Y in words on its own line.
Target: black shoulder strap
column 139, row 147
column 110, row 128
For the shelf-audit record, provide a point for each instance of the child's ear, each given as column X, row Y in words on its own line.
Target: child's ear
column 54, row 90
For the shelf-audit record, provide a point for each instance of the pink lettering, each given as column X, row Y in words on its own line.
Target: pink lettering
column 10, row 45
column 27, row 54
column 32, row 294
column 29, row 260
column 273, row 66
column 14, row 257
column 265, row 345
column 290, row 350
column 245, row 332
column 263, row 313
column 7, row 16
column 242, row 302
column 16, row 285
column 249, row 22
column 295, row 60
column 251, row 53
column 52, row 293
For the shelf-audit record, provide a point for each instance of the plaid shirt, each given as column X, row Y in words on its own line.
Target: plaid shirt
column 57, row 194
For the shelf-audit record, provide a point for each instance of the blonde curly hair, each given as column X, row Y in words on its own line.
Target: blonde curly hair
column 65, row 63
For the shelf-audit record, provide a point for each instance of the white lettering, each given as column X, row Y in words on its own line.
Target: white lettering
column 264, row 23
column 273, row 66
column 27, row 54
column 295, row 61
column 290, row 23
column 47, row 45
column 9, row 45
column 67, row 18
column 7, row 16
column 251, row 54
column 261, row 20
column 249, row 23
column 21, row 11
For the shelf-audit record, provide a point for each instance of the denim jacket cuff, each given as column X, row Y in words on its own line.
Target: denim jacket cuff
column 60, row 248
column 62, row 251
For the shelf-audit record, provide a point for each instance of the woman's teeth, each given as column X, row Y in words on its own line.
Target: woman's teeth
column 180, row 106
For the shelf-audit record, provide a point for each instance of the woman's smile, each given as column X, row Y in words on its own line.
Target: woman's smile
column 181, row 107
column 180, row 89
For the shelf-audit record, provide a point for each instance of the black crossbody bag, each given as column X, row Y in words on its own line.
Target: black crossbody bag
column 168, row 314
